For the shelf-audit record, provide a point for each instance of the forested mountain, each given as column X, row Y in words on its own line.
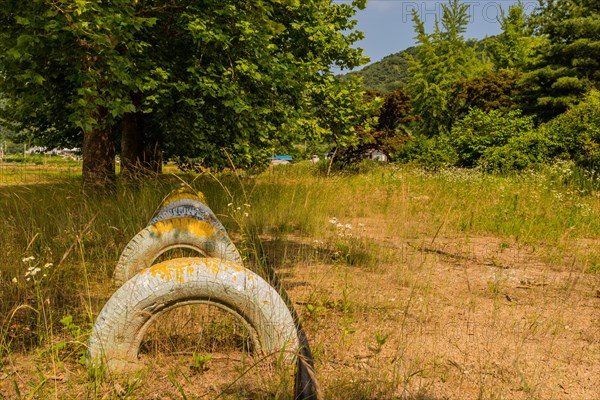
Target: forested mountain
column 386, row 75
column 391, row 72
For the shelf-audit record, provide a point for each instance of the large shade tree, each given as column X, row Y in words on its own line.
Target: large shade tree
column 185, row 77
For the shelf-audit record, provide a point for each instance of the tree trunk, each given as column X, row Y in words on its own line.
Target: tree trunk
column 98, row 157
column 132, row 145
column 139, row 155
column 153, row 157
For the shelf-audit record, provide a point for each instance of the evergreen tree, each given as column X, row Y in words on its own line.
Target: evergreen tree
column 568, row 64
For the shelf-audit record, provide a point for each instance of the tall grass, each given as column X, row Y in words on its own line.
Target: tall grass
column 295, row 216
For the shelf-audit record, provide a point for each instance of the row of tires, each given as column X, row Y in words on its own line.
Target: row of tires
column 147, row 290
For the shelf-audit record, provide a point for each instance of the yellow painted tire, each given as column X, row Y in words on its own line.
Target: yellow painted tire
column 145, row 247
column 188, row 208
column 125, row 318
column 181, row 194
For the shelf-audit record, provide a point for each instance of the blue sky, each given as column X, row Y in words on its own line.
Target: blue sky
column 388, row 26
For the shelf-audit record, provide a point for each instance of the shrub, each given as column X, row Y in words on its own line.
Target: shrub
column 479, row 132
column 520, row 152
column 576, row 133
column 430, row 153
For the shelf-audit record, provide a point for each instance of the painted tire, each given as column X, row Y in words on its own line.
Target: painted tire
column 181, row 193
column 183, row 208
column 196, row 210
column 125, row 318
column 156, row 239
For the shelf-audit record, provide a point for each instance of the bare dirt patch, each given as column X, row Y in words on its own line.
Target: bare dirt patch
column 455, row 317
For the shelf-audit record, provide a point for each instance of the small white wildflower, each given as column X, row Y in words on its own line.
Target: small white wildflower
column 245, row 214
column 333, row 220
column 27, row 279
column 45, row 275
column 14, row 280
column 27, row 259
column 340, row 226
column 32, row 271
column 230, row 205
column 48, row 265
column 348, row 226
column 246, row 205
column 239, row 208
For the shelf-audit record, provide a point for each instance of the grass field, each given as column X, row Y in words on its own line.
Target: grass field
column 410, row 285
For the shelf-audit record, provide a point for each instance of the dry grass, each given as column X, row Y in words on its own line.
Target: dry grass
column 446, row 286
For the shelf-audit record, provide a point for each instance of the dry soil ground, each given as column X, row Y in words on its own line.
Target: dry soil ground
column 449, row 317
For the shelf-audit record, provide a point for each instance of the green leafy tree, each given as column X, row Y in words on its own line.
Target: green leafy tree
column 340, row 114
column 513, row 48
column 389, row 133
column 488, row 91
column 442, row 58
column 65, row 67
column 178, row 78
column 567, row 64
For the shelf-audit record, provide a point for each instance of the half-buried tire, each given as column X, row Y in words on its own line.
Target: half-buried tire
column 154, row 240
column 122, row 323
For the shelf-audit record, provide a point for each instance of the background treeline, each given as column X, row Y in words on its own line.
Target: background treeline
column 218, row 83
column 526, row 97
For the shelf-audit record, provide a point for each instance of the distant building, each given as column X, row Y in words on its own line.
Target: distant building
column 376, row 155
column 281, row 160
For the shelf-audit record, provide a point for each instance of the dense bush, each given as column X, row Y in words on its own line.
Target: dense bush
column 429, row 152
column 479, row 132
column 528, row 150
column 576, row 133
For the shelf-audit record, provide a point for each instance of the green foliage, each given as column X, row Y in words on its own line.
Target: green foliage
column 63, row 65
column 198, row 77
column 513, row 48
column 566, row 64
column 480, row 131
column 529, row 150
column 576, row 133
column 432, row 153
column 200, row 361
column 442, row 58
column 386, row 75
column 338, row 111
column 488, row 91
column 390, row 132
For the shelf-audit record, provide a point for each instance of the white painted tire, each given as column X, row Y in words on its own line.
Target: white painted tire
column 125, row 318
column 181, row 194
column 145, row 247
column 191, row 208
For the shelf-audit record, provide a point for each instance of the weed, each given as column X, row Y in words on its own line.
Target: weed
column 200, row 361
